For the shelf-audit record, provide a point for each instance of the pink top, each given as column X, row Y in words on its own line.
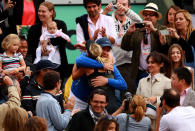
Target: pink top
column 183, row 95
column 29, row 14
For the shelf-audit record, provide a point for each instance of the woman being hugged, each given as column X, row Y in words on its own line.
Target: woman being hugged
column 47, row 14
column 10, row 61
column 95, row 52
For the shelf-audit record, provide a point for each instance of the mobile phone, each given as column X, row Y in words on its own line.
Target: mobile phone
column 114, row 7
column 139, row 25
column 164, row 32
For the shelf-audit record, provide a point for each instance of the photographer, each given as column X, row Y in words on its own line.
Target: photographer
column 13, row 97
column 143, row 39
column 123, row 17
column 136, row 119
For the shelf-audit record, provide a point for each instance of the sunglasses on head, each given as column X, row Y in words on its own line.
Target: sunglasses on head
column 108, row 117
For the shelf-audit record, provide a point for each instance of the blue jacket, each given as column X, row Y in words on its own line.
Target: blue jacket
column 80, row 87
column 48, row 108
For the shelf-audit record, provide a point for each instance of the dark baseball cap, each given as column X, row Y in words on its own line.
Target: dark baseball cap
column 45, row 64
column 104, row 42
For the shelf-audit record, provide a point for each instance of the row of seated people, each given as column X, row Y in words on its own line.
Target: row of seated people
column 133, row 114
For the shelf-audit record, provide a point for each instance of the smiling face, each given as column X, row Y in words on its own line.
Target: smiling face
column 181, row 22
column 105, row 52
column 98, row 103
column 175, row 55
column 23, row 49
column 153, row 67
column 176, row 83
column 171, row 15
column 93, row 9
column 44, row 14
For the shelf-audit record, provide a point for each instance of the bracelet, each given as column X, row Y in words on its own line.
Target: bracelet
column 68, row 110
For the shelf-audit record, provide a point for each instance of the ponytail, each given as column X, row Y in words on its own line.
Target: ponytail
column 139, row 113
column 137, row 106
column 100, row 59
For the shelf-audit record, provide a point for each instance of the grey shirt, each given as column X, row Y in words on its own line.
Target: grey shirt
column 143, row 125
column 47, row 107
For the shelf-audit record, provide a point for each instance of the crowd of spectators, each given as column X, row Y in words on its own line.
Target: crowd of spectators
column 133, row 73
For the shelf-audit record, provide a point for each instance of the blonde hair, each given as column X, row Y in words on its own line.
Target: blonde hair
column 9, row 40
column 50, row 7
column 181, row 62
column 189, row 19
column 15, row 119
column 52, row 23
column 138, row 107
column 96, row 50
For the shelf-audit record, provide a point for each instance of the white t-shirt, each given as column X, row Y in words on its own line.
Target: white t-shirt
column 103, row 21
column 179, row 119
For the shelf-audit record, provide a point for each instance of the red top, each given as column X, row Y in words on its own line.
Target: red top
column 29, row 15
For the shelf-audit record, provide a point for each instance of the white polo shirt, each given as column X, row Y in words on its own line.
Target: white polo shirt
column 179, row 119
column 103, row 21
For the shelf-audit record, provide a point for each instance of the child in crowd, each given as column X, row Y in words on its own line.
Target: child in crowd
column 10, row 61
column 107, row 123
column 45, row 44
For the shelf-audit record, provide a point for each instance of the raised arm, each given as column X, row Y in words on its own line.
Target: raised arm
column 84, row 61
column 13, row 95
column 77, row 72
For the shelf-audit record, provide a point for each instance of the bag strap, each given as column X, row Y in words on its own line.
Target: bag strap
column 127, row 121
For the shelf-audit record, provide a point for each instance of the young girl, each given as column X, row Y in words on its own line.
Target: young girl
column 10, row 61
column 176, row 56
column 45, row 44
column 107, row 123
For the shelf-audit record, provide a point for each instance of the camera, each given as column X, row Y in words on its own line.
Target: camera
column 139, row 25
column 164, row 32
column 128, row 97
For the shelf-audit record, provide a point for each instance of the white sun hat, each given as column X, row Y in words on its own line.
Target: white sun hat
column 151, row 7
